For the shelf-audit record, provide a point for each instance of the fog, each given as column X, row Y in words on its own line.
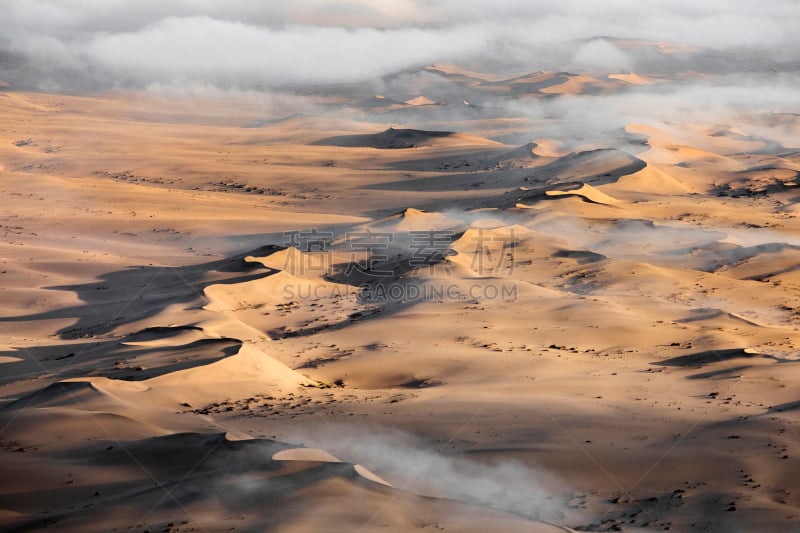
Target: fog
column 412, row 464
column 593, row 118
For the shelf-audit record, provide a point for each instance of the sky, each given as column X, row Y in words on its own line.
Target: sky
column 90, row 45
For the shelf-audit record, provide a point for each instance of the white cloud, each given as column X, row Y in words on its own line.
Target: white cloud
column 231, row 53
column 601, row 55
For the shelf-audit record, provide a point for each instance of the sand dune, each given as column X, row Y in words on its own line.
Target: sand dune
column 457, row 71
column 540, row 83
column 580, row 84
column 593, row 166
column 548, row 148
column 521, row 156
column 414, row 219
column 651, row 180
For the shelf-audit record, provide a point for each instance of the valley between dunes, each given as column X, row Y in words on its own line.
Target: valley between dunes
column 214, row 318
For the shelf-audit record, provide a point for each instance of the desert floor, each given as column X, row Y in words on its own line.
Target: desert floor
column 328, row 315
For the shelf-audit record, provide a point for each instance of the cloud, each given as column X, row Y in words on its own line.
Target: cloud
column 97, row 44
column 602, row 55
column 234, row 53
column 593, row 118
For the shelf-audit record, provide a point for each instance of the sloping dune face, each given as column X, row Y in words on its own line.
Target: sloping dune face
column 542, row 297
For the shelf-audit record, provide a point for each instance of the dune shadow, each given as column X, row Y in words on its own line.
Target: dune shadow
column 136, row 293
column 595, row 167
column 168, row 474
column 115, row 358
column 386, row 140
column 723, row 373
column 783, row 407
column 708, row 357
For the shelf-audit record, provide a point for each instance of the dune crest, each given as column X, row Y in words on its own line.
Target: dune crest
column 584, row 191
column 421, row 101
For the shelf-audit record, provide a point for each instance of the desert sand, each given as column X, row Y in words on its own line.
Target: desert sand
column 397, row 312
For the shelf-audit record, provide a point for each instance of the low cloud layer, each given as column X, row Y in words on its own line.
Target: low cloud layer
column 101, row 44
